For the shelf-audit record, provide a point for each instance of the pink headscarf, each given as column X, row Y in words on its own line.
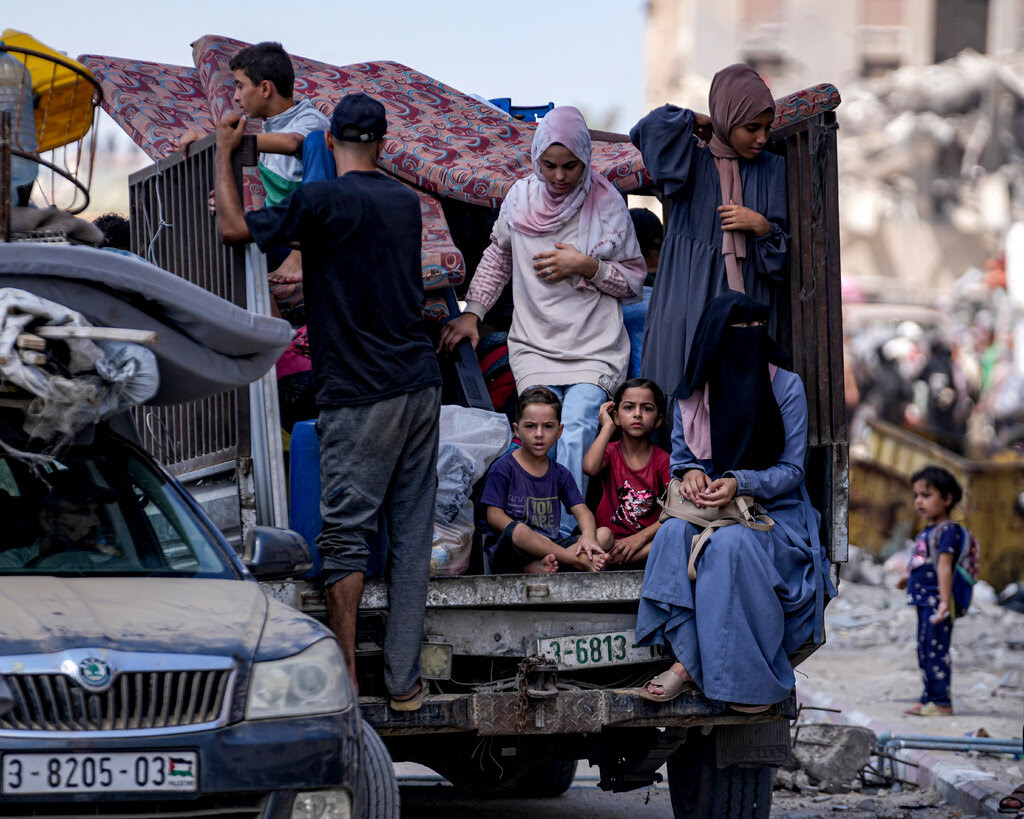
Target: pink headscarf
column 737, row 96
column 605, row 229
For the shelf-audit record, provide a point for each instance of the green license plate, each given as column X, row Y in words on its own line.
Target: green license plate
column 595, row 650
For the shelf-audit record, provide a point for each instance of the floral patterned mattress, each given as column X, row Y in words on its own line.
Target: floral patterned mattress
column 440, row 140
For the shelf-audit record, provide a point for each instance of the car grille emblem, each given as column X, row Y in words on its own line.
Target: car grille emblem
column 94, row 672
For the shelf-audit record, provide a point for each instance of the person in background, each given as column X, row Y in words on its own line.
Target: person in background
column 930, row 583
column 378, row 383
column 565, row 239
column 633, row 471
column 116, row 231
column 650, row 233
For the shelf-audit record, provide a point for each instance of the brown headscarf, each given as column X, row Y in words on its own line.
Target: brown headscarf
column 737, row 96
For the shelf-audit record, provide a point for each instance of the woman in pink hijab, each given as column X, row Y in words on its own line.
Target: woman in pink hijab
column 565, row 239
column 727, row 221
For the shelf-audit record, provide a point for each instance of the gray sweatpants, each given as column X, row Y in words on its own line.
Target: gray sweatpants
column 374, row 455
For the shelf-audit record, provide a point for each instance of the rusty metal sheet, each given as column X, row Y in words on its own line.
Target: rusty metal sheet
column 571, row 712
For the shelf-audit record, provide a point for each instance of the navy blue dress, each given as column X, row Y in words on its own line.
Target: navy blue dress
column 692, row 269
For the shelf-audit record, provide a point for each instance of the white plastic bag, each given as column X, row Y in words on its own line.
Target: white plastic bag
column 453, row 544
column 481, row 436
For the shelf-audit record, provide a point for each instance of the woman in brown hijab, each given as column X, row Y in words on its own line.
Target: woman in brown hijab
column 726, row 226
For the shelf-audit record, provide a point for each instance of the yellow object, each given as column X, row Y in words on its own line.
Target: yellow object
column 882, row 510
column 67, row 94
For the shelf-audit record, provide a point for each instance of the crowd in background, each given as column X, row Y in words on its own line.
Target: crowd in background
column 947, row 374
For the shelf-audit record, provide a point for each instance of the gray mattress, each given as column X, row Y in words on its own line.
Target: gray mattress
column 205, row 345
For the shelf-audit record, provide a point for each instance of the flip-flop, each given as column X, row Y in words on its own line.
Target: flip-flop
column 672, row 686
column 1013, row 802
column 748, row 709
column 412, row 702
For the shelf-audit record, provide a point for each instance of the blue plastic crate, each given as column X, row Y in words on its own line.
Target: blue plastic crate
column 304, row 500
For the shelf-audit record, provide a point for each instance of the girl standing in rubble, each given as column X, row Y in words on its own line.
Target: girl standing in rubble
column 726, row 226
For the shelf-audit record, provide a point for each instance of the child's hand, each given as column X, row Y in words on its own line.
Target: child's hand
column 624, row 549
column 588, row 546
column 604, row 415
column 737, row 217
column 902, row 582
column 941, row 613
column 563, row 262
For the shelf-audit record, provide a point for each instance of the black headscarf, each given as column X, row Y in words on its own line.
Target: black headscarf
column 746, row 425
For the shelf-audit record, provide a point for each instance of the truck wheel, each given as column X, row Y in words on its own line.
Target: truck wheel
column 378, row 787
column 548, row 779
column 702, row 790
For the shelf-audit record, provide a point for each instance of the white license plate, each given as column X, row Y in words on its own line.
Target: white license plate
column 594, row 650
column 90, row 773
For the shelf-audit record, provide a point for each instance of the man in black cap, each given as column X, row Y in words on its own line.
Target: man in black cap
column 377, row 380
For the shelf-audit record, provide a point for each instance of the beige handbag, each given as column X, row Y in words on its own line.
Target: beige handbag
column 742, row 509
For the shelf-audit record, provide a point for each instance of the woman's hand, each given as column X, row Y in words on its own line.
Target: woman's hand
column 562, row 262
column 737, row 217
column 460, row 327
column 694, row 483
column 719, row 492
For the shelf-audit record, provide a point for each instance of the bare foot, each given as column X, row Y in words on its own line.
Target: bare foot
column 546, row 565
column 585, row 564
column 675, row 668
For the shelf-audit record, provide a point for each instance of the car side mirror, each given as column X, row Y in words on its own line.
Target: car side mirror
column 271, row 553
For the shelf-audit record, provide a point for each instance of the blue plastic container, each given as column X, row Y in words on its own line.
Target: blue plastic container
column 304, row 500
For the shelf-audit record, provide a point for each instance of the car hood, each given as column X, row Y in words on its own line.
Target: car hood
column 176, row 615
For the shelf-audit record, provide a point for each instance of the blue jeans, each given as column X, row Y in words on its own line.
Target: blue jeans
column 580, row 406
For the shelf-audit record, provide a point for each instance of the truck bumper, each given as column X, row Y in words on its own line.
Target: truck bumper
column 584, row 711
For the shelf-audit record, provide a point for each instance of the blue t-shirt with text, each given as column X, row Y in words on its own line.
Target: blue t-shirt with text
column 537, row 502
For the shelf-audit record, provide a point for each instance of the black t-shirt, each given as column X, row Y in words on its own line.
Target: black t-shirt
column 362, row 282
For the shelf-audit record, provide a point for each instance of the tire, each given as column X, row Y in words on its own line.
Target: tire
column 548, row 779
column 701, row 790
column 378, row 788
column 475, row 770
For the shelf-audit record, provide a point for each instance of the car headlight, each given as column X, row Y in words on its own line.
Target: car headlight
column 312, row 682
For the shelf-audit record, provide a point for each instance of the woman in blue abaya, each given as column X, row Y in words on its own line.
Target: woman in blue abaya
column 740, row 428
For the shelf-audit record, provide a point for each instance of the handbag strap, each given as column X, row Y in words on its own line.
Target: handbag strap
column 759, row 523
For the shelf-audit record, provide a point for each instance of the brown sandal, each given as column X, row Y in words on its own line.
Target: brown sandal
column 672, row 685
column 410, row 702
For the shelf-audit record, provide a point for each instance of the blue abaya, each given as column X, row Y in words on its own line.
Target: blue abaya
column 758, row 595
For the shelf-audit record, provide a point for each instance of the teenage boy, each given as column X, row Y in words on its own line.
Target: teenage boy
column 377, row 380
column 524, row 493
column 264, row 81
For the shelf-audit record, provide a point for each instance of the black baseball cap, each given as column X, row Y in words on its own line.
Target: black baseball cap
column 358, row 118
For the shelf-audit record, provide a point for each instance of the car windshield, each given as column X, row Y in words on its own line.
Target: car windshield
column 101, row 511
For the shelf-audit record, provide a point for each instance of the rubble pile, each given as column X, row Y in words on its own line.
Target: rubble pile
column 933, row 146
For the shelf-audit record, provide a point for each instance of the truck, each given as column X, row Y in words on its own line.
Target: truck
column 527, row 674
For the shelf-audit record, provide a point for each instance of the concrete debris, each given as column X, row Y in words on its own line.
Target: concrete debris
column 833, row 755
